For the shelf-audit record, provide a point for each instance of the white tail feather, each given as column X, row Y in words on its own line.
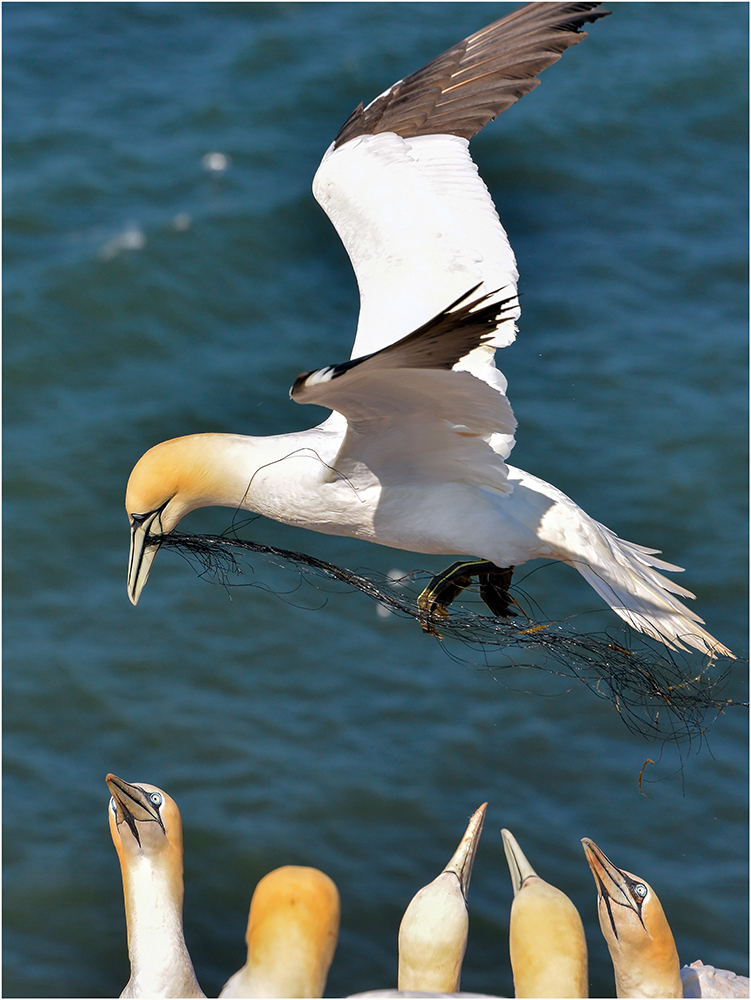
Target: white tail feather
column 630, row 584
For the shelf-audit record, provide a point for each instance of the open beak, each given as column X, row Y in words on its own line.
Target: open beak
column 142, row 550
column 518, row 866
column 464, row 856
column 133, row 805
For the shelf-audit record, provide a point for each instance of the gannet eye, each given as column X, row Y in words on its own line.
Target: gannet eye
column 156, row 799
column 113, row 806
column 640, row 890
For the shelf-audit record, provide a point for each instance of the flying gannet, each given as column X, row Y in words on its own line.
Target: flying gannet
column 640, row 942
column 433, row 931
column 148, row 835
column 546, row 936
column 414, row 453
column 293, row 926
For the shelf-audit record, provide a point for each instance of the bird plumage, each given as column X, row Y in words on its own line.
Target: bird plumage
column 639, row 939
column 433, row 931
column 293, row 927
column 546, row 936
column 147, row 833
column 414, row 454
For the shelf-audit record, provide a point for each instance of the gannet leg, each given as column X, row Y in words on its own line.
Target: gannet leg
column 445, row 587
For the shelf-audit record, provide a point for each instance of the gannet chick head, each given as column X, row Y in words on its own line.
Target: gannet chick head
column 638, row 935
column 170, row 480
column 546, row 936
column 433, row 931
column 293, row 927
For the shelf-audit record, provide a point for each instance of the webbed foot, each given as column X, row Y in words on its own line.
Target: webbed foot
column 445, row 587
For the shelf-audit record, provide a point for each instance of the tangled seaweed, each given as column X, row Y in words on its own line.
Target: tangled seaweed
column 654, row 692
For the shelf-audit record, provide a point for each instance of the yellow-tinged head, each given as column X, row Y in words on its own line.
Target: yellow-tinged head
column 546, row 936
column 641, row 944
column 433, row 931
column 143, row 819
column 170, row 480
column 145, row 823
column 293, row 928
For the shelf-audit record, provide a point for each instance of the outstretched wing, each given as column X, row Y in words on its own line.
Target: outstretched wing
column 411, row 413
column 405, row 197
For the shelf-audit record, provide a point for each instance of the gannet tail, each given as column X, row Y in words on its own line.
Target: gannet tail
column 628, row 580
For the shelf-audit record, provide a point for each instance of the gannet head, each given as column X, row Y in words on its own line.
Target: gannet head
column 546, row 936
column 641, row 944
column 293, row 927
column 144, row 822
column 170, row 480
column 433, row 931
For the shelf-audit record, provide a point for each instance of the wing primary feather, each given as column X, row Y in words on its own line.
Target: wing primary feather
column 506, row 56
column 438, row 344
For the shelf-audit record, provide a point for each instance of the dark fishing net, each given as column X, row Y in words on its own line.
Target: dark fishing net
column 657, row 693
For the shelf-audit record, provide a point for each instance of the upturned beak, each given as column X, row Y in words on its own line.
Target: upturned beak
column 519, row 868
column 611, row 881
column 464, row 856
column 133, row 805
column 143, row 549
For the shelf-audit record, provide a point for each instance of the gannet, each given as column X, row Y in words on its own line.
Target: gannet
column 639, row 938
column 414, row 452
column 433, row 931
column 293, row 928
column 546, row 936
column 148, row 835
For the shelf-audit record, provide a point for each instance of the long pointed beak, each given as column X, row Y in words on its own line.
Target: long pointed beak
column 464, row 856
column 142, row 551
column 518, row 866
column 133, row 805
column 609, row 879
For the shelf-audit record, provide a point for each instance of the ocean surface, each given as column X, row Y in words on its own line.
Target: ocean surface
column 148, row 295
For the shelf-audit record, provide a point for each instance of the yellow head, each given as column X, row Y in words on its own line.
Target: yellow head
column 170, row 480
column 546, row 936
column 145, row 824
column 641, row 944
column 293, row 928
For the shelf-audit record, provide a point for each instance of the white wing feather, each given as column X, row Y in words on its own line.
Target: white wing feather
column 420, row 228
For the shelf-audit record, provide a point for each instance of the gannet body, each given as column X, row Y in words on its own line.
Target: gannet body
column 433, row 931
column 293, row 926
column 414, row 454
column 640, row 942
column 546, row 936
column 147, row 832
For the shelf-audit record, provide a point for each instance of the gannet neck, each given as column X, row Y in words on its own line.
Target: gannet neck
column 639, row 939
column 147, row 833
column 546, row 936
column 159, row 960
column 433, row 931
column 293, row 926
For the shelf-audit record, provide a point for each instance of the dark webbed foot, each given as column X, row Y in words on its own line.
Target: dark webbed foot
column 445, row 587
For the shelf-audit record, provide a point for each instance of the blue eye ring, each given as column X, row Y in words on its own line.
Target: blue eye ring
column 155, row 798
column 640, row 890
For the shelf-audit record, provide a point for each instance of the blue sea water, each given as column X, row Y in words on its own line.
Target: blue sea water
column 146, row 296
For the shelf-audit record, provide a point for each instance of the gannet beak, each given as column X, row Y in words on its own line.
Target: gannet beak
column 143, row 549
column 134, row 804
column 464, row 856
column 612, row 883
column 518, row 866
